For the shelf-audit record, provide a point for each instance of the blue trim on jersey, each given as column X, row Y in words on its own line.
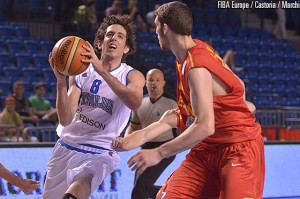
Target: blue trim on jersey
column 76, row 149
column 115, row 68
column 94, row 146
column 127, row 76
column 76, row 83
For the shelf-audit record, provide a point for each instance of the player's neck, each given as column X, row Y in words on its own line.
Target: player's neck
column 180, row 45
column 111, row 64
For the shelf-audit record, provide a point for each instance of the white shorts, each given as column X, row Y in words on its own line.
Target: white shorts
column 68, row 160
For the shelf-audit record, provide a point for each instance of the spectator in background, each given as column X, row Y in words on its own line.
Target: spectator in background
column 23, row 106
column 115, row 9
column 42, row 107
column 91, row 13
column 11, row 117
column 133, row 12
column 150, row 19
column 279, row 31
column 85, row 17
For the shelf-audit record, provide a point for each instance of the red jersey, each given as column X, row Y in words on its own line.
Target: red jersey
column 234, row 122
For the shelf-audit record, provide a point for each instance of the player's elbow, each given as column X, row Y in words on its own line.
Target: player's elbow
column 134, row 106
column 210, row 130
column 64, row 123
column 208, row 127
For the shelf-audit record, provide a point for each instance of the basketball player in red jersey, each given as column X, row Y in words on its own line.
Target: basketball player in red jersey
column 226, row 160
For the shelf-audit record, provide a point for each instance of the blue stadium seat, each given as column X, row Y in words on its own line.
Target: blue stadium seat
column 264, row 58
column 292, row 82
column 277, row 81
column 263, row 35
column 261, row 101
column 21, row 31
column 290, row 58
column 278, row 69
column 291, row 102
column 11, row 71
column 5, row 58
column 23, row 58
column 213, row 30
column 40, row 59
column 5, row 30
column 31, row 45
column 264, row 46
column 6, row 87
column 14, row 46
column 277, row 58
column 290, row 70
column 239, row 45
column 30, row 71
column 264, row 80
column 252, row 58
column 227, row 44
column 48, row 74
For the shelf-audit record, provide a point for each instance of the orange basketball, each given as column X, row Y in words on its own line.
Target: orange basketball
column 67, row 55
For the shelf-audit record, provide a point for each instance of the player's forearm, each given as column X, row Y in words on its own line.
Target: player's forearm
column 187, row 140
column 129, row 131
column 130, row 98
column 140, row 137
column 10, row 177
column 63, row 108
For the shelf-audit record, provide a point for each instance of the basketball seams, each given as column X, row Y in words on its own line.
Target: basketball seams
column 71, row 55
column 58, row 52
column 82, row 64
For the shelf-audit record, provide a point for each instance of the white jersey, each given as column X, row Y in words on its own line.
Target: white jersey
column 101, row 115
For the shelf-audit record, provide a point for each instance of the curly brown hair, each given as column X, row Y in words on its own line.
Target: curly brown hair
column 124, row 21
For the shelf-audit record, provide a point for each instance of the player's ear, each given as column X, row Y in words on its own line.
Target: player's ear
column 126, row 49
column 99, row 45
column 165, row 28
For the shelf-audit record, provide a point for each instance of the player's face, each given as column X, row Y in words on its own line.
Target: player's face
column 155, row 82
column 163, row 42
column 114, row 43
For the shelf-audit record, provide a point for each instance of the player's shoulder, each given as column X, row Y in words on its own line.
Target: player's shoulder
column 201, row 49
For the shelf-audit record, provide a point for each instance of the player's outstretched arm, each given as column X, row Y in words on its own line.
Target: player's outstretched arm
column 26, row 185
column 201, row 92
column 139, row 137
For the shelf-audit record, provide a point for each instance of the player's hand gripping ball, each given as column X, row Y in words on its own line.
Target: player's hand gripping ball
column 67, row 55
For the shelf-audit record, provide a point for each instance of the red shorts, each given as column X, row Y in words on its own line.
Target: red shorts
column 224, row 171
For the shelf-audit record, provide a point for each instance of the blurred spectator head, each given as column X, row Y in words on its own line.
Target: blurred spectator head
column 18, row 88
column 10, row 104
column 40, row 89
column 132, row 4
column 117, row 6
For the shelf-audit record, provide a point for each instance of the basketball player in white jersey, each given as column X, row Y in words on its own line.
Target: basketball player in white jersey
column 93, row 112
